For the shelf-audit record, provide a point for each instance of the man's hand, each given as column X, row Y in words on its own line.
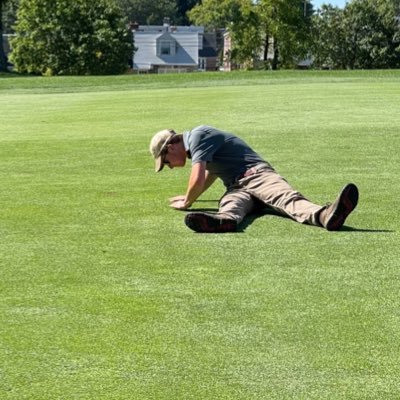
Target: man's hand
column 179, row 202
column 199, row 181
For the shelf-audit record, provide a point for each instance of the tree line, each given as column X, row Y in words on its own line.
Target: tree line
column 364, row 35
column 92, row 37
column 280, row 33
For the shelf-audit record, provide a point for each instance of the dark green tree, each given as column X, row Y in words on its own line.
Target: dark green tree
column 3, row 59
column 365, row 34
column 286, row 27
column 373, row 27
column 241, row 20
column 62, row 37
column 245, row 34
column 183, row 6
column 214, row 14
column 331, row 45
column 257, row 27
column 149, row 12
column 10, row 15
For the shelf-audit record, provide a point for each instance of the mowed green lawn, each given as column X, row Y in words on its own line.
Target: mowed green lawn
column 104, row 292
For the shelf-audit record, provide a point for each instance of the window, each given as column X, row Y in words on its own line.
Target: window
column 165, row 48
column 202, row 64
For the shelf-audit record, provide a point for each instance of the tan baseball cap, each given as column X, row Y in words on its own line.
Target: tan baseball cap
column 158, row 145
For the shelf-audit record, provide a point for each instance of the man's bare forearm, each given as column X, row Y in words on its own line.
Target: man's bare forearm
column 199, row 181
column 210, row 179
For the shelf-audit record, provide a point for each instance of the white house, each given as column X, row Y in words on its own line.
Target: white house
column 172, row 49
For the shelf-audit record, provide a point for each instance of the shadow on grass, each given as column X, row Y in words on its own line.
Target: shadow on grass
column 252, row 217
column 249, row 219
column 351, row 229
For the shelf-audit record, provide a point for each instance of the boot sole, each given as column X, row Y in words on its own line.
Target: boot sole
column 204, row 223
column 348, row 200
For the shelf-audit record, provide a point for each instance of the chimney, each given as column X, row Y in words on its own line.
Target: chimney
column 166, row 24
column 134, row 26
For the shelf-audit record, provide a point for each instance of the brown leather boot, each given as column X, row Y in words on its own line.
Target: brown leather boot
column 333, row 216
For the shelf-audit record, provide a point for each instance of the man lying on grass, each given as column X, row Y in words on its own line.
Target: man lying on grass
column 249, row 181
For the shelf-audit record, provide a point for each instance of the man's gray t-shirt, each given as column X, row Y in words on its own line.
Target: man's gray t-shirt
column 226, row 155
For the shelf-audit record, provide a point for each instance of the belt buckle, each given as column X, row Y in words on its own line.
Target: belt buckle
column 251, row 171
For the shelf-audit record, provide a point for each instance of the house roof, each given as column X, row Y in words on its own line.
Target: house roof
column 171, row 28
column 209, row 45
column 186, row 54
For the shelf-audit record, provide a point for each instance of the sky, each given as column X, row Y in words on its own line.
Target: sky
column 338, row 3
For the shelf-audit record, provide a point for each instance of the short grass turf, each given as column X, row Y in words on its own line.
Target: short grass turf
column 105, row 294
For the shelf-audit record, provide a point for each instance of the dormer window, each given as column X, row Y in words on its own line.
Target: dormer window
column 166, row 47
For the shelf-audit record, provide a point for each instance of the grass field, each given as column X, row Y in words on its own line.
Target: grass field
column 105, row 294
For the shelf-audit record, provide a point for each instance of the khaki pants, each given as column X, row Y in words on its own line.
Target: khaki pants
column 263, row 184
